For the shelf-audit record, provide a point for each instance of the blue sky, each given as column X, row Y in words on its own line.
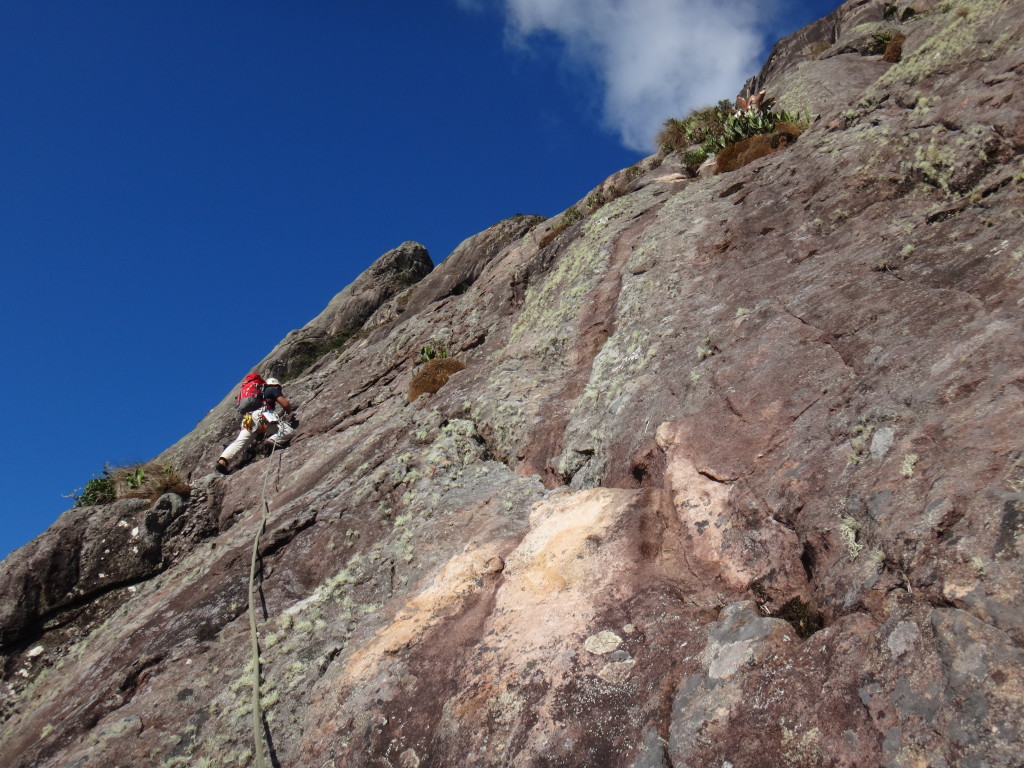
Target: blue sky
column 182, row 183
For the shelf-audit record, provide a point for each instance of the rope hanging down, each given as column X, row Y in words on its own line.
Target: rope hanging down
column 257, row 710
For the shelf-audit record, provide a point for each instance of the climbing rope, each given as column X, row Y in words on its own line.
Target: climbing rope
column 257, row 710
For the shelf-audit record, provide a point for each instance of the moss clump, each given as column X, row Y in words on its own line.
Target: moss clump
column 894, row 48
column 433, row 375
column 748, row 150
column 805, row 620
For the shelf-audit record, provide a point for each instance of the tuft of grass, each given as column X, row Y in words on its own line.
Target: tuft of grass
column 572, row 215
column 137, row 481
column 634, row 172
column 148, row 481
column 703, row 126
column 893, row 13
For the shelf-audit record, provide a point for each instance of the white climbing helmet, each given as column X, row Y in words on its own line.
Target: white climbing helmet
column 272, row 382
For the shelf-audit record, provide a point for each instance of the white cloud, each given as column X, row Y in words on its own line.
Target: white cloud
column 655, row 58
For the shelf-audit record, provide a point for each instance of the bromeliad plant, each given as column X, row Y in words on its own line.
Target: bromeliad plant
column 433, row 352
column 706, row 131
column 753, row 116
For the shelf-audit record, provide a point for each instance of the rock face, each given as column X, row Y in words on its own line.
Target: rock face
column 734, row 475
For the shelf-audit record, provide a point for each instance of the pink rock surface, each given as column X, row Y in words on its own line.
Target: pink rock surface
column 733, row 476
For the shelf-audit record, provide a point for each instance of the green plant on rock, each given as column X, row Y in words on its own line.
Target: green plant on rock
column 572, row 215
column 893, row 12
column 433, row 352
column 701, row 127
column 134, row 477
column 148, row 481
column 705, row 132
column 695, row 157
column 881, row 40
column 137, row 481
column 99, row 490
column 753, row 122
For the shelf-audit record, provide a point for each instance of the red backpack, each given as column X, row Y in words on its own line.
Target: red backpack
column 251, row 395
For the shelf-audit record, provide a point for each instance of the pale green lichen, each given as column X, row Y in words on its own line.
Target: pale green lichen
column 848, row 530
column 935, row 163
column 907, row 468
column 954, row 35
column 705, row 349
column 550, row 308
column 860, row 440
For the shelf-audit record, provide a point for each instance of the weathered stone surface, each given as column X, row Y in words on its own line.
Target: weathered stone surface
column 349, row 311
column 697, row 422
column 461, row 268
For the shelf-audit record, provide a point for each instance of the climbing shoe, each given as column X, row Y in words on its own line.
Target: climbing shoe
column 223, row 468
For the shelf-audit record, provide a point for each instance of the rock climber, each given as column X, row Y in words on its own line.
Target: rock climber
column 262, row 424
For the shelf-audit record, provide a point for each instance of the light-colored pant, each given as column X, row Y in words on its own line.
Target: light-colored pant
column 276, row 431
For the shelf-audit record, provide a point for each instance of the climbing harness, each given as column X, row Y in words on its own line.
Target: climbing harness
column 257, row 711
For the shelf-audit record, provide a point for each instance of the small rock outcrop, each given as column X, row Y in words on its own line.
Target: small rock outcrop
column 733, row 475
